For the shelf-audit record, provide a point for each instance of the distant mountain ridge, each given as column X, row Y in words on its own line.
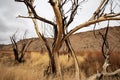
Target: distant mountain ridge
column 84, row 41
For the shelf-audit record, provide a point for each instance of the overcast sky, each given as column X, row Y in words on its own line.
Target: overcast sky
column 9, row 10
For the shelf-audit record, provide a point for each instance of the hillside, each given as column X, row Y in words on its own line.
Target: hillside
column 87, row 40
column 84, row 41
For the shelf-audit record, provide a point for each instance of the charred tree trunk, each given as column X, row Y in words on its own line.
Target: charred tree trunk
column 19, row 54
column 15, row 48
column 16, row 54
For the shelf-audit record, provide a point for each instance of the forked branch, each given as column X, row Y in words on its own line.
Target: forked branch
column 98, row 16
column 19, row 53
column 35, row 15
column 106, row 53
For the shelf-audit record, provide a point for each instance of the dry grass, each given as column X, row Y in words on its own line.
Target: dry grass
column 36, row 63
column 16, row 73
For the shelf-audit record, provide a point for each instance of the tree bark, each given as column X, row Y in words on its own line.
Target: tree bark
column 58, row 39
column 51, row 60
column 77, row 70
column 57, row 65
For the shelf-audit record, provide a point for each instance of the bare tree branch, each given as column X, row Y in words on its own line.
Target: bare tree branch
column 106, row 53
column 19, row 16
column 65, row 25
column 112, row 15
column 73, row 12
column 105, row 43
column 99, row 9
column 24, row 48
column 88, row 23
column 28, row 4
column 19, row 54
column 99, row 75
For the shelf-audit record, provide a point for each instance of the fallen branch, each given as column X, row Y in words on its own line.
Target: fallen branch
column 100, row 75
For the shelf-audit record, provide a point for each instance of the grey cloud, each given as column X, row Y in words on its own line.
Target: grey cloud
column 2, row 27
column 9, row 9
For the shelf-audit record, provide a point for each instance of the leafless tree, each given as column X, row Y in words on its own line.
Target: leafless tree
column 106, row 51
column 61, row 24
column 19, row 53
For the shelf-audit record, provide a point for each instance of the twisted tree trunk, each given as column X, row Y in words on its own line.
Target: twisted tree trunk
column 58, row 39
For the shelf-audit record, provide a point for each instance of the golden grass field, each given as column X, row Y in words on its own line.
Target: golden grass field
column 36, row 63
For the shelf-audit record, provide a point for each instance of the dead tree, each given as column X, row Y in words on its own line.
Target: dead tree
column 19, row 53
column 106, row 51
column 61, row 24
